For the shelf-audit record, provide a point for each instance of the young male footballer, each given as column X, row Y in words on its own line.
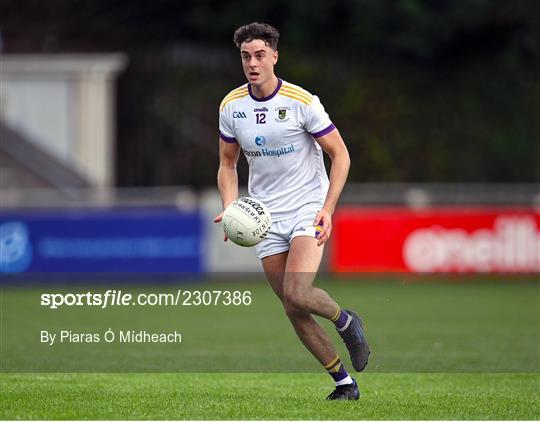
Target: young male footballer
column 283, row 130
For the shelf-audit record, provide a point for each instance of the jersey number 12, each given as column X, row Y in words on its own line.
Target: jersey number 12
column 261, row 118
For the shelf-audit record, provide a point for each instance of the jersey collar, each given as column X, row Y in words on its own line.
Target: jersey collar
column 272, row 95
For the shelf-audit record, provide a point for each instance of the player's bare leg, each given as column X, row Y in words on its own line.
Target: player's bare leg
column 308, row 330
column 302, row 266
column 274, row 269
column 298, row 290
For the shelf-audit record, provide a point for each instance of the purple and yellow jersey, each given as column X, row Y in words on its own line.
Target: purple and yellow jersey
column 277, row 135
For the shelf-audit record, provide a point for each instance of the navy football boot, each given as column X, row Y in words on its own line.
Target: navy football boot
column 355, row 341
column 345, row 392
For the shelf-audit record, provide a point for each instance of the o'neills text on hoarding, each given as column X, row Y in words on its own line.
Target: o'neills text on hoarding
column 512, row 244
column 490, row 240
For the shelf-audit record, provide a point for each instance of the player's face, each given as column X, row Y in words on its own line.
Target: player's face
column 258, row 60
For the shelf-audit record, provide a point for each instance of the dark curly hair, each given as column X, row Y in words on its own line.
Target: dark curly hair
column 257, row 31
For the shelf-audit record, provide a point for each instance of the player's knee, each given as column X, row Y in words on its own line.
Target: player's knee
column 295, row 315
column 294, row 299
column 291, row 311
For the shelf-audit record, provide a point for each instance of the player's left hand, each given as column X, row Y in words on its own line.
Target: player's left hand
column 323, row 219
column 217, row 220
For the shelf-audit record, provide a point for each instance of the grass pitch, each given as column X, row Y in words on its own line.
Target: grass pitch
column 441, row 350
column 268, row 396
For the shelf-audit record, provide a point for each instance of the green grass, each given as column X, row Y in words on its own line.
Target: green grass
column 267, row 396
column 440, row 350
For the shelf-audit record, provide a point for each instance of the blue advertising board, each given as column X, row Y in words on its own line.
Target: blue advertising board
column 142, row 240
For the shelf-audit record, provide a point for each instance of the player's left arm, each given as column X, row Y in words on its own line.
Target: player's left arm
column 332, row 143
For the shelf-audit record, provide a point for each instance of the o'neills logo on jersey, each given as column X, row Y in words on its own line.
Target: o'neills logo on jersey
column 266, row 152
column 513, row 244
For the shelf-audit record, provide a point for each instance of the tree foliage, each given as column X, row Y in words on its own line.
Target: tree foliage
column 422, row 90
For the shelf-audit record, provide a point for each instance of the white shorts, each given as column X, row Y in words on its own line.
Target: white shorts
column 281, row 232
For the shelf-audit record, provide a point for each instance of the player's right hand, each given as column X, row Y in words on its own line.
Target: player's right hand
column 218, row 220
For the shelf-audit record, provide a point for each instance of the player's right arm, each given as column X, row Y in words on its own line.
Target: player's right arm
column 229, row 150
column 227, row 178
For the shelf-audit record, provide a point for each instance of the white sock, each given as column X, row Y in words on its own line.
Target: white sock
column 345, row 381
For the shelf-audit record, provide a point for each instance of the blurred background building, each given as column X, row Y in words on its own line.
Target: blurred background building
column 113, row 105
column 58, row 111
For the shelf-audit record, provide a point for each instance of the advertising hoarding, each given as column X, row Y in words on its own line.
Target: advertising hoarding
column 484, row 240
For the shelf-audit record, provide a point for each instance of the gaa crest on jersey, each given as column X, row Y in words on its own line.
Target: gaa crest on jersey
column 239, row 115
column 282, row 114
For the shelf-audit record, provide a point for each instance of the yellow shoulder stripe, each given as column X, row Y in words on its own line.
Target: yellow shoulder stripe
column 243, row 92
column 240, row 88
column 298, row 91
column 296, row 88
column 307, row 98
column 295, row 97
column 235, row 92
column 233, row 97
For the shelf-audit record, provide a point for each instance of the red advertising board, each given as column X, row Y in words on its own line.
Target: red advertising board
column 488, row 240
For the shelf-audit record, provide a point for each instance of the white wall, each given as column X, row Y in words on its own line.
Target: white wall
column 65, row 104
